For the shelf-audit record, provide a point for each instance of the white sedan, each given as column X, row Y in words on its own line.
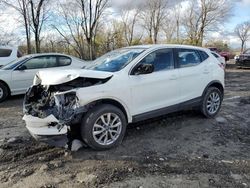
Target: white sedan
column 17, row 76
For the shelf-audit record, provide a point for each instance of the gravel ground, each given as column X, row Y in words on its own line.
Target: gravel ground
column 179, row 150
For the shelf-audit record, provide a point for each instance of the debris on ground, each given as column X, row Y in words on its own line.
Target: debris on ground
column 76, row 145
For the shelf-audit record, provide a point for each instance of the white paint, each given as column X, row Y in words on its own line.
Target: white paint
column 54, row 77
column 39, row 126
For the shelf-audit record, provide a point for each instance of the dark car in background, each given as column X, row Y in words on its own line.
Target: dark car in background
column 224, row 54
column 244, row 59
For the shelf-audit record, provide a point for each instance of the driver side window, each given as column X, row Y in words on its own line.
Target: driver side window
column 161, row 59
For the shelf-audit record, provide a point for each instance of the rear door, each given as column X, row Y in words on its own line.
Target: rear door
column 194, row 72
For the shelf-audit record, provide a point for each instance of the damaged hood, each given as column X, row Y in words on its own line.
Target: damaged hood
column 55, row 77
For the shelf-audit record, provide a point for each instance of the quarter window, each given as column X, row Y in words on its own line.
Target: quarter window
column 64, row 61
column 5, row 52
column 161, row 59
column 188, row 58
column 204, row 55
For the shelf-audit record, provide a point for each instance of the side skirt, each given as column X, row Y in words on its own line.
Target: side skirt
column 163, row 111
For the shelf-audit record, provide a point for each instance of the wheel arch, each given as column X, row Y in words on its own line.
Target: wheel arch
column 216, row 84
column 115, row 103
column 4, row 83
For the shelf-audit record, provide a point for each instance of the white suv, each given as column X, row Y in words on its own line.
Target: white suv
column 124, row 86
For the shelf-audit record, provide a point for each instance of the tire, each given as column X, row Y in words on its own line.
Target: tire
column 3, row 92
column 211, row 102
column 94, row 120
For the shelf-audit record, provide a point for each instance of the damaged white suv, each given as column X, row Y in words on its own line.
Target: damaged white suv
column 127, row 85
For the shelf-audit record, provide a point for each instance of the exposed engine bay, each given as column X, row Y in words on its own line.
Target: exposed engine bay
column 56, row 106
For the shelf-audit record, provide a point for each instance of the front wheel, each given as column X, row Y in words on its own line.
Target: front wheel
column 211, row 103
column 103, row 127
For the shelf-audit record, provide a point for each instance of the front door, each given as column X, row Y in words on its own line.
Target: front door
column 22, row 78
column 158, row 89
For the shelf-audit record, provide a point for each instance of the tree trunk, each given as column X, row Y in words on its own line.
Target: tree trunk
column 27, row 27
column 242, row 46
column 37, row 41
column 28, row 39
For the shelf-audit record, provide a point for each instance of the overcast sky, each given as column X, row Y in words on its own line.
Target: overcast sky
column 241, row 12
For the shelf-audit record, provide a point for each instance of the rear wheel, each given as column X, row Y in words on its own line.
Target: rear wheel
column 103, row 127
column 3, row 92
column 211, row 103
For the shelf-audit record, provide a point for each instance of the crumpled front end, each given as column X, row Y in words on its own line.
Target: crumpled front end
column 49, row 113
column 52, row 111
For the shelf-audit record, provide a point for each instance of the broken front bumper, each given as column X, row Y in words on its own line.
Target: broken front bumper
column 41, row 130
column 49, row 114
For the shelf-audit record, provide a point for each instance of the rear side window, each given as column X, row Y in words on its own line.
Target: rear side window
column 5, row 52
column 204, row 55
column 64, row 61
column 41, row 62
column 188, row 58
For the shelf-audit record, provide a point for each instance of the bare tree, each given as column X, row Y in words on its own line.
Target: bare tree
column 205, row 15
column 21, row 6
column 91, row 10
column 38, row 16
column 129, row 20
column 153, row 15
column 243, row 32
column 70, row 28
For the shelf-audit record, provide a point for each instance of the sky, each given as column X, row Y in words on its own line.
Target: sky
column 241, row 13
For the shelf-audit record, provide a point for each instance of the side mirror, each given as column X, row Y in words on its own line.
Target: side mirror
column 144, row 69
column 21, row 68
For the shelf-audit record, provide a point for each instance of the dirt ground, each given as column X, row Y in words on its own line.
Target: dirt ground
column 179, row 150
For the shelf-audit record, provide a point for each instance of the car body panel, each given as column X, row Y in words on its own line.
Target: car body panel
column 220, row 58
column 54, row 77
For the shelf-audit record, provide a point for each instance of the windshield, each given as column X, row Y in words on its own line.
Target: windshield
column 115, row 60
column 14, row 63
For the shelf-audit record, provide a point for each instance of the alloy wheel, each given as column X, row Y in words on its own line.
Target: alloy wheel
column 107, row 129
column 213, row 103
